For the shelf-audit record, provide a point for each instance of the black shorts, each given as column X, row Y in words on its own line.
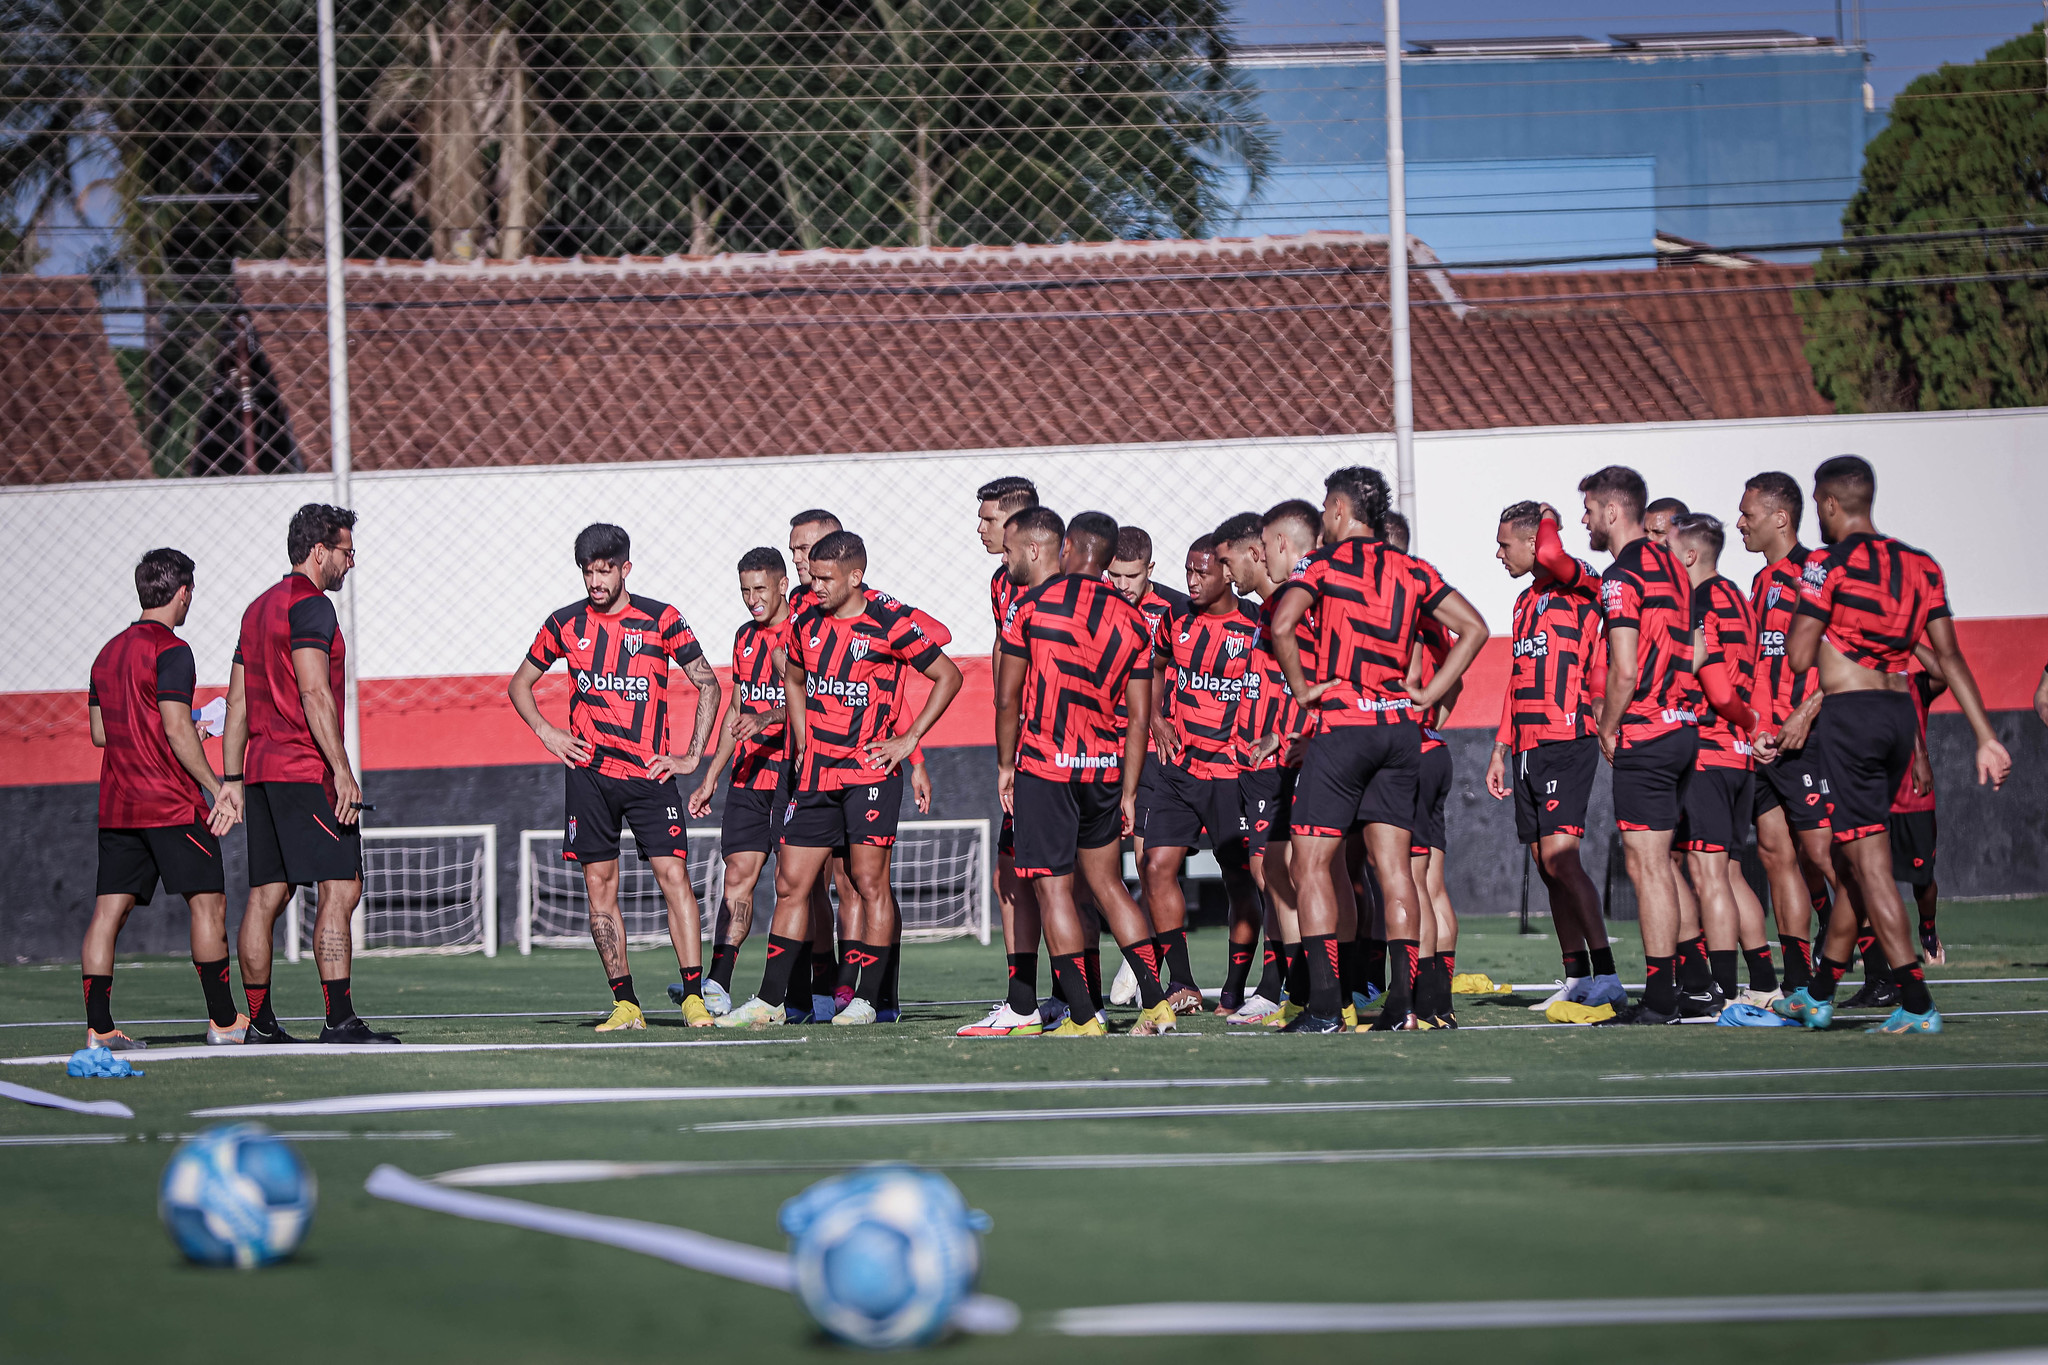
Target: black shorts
column 598, row 807
column 1184, row 807
column 1258, row 803
column 1717, row 806
column 1913, row 847
column 1148, row 792
column 1798, row 784
column 866, row 815
column 753, row 820
column 1650, row 780
column 1283, row 807
column 1054, row 819
column 294, row 837
column 185, row 857
column 1866, row 739
column 1355, row 773
column 1432, row 794
column 1553, row 784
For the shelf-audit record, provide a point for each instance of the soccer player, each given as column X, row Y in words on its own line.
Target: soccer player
column 1912, row 825
column 845, row 653
column 1066, row 767
column 1864, row 604
column 619, row 771
column 289, row 772
column 1202, row 651
column 1548, row 726
column 1792, row 793
column 155, row 781
column 1649, row 716
column 1362, row 761
column 752, row 739
column 1658, row 516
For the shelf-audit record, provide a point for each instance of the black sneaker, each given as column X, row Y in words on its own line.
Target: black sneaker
column 1313, row 1023
column 275, row 1034
column 1391, row 1020
column 1875, row 995
column 1706, row 1004
column 1638, row 1014
column 354, row 1030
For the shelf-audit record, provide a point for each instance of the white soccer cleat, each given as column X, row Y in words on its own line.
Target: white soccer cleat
column 716, row 999
column 859, row 1012
column 1124, row 990
column 756, row 1013
column 1761, row 999
column 1563, row 992
column 1003, row 1022
column 1255, row 1010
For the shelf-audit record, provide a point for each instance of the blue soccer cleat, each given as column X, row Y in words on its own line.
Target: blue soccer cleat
column 1902, row 1020
column 1802, row 1008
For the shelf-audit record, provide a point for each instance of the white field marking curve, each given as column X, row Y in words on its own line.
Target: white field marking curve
column 43, row 1099
column 100, row 1139
column 1821, row 1071
column 1190, row 1111
column 510, row 1173
column 982, row 1313
column 182, row 1054
column 413, row 1101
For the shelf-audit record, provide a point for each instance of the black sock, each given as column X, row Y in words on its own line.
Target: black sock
column 1578, row 964
column 260, row 1013
column 1351, row 972
column 1319, row 952
column 1297, row 974
column 1926, row 923
column 892, row 976
column 1173, row 948
column 1822, row 908
column 1876, row 966
column 1826, row 977
column 1023, row 996
column 1603, row 961
column 1660, row 984
column 1404, row 964
column 1447, row 962
column 220, row 996
column 1763, row 976
column 693, row 982
column 1376, row 963
column 724, row 957
column 1912, row 984
column 1241, row 955
column 874, row 971
column 1144, row 959
column 1695, row 977
column 1431, row 996
column 1070, row 978
column 776, row 971
column 1272, row 972
column 1721, row 962
column 1091, row 959
column 340, row 1009
column 1798, row 961
column 99, row 1003
column 824, row 969
column 853, row 956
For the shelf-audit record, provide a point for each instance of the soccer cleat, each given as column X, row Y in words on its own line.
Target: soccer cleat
column 1285, row 1015
column 1124, row 990
column 802, row 1014
column 695, row 1014
column 1068, row 1028
column 1314, row 1023
column 1155, row 1021
column 1604, row 989
column 1637, row 1014
column 1442, row 1019
column 717, row 999
column 1391, row 1020
column 889, row 1015
column 1567, row 989
column 756, row 1013
column 1802, row 1008
column 857, row 1012
column 1931, row 949
column 1254, row 1010
column 625, row 1015
column 1760, row 999
column 1903, row 1020
column 237, row 1032
column 354, row 1030
column 1004, row 1022
column 276, row 1034
column 1701, row 1004
column 114, row 1041
column 1349, row 1015
column 1874, row 995
column 823, row 1007
column 1184, row 1000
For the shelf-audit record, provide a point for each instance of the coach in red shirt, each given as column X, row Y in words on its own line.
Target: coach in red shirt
column 303, row 804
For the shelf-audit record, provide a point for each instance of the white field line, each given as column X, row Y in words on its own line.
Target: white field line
column 1549, row 986
column 43, row 1099
column 412, row 1101
column 1820, row 1071
column 583, row 1172
column 247, row 1052
column 1220, row 1319
column 981, row 1313
column 1187, row 1111
column 1839, row 1014
column 101, row 1139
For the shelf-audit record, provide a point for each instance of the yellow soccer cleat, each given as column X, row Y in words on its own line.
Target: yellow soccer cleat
column 1155, row 1021
column 1069, row 1029
column 696, row 1014
column 625, row 1015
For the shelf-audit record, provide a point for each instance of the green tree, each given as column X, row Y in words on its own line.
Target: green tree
column 1958, row 323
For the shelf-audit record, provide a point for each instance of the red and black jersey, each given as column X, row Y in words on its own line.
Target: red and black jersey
column 757, row 763
column 1557, row 654
column 1155, row 606
column 1210, row 655
column 1369, row 597
column 1081, row 643
column 1876, row 596
column 1906, row 801
column 1269, row 706
column 1728, row 630
column 293, row 614
column 804, row 598
column 142, row 783
column 853, row 669
column 1435, row 643
column 1647, row 590
column 1774, row 601
column 618, row 665
column 1002, row 596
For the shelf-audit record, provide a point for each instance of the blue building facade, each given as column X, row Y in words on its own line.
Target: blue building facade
column 1557, row 147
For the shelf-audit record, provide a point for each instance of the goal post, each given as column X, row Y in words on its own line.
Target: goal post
column 427, row 889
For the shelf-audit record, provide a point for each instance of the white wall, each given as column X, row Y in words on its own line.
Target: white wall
column 457, row 567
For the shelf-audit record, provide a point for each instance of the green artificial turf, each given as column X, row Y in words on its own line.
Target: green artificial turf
column 91, row 1276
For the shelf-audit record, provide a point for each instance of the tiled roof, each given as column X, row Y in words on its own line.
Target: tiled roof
column 64, row 414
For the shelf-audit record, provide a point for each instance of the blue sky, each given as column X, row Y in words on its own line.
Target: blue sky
column 1904, row 39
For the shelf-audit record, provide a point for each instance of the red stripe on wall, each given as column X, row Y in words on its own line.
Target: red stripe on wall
column 466, row 721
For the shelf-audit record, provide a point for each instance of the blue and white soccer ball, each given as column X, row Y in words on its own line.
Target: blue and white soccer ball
column 237, row 1195
column 884, row 1254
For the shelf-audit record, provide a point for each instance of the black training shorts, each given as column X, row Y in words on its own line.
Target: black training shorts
column 1650, row 780
column 1054, row 819
column 1148, row 791
column 866, row 815
column 294, row 837
column 1432, row 794
column 1553, row 784
column 1798, row 784
column 185, row 857
column 1185, row 807
column 1866, row 740
column 1913, row 847
column 597, row 807
column 1283, row 807
column 1258, row 803
column 1354, row 773
column 752, row 822
column 1717, row 806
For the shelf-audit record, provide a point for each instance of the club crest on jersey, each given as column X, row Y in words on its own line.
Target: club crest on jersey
column 859, row 648
column 1543, row 604
column 1773, row 597
column 632, row 640
column 1233, row 646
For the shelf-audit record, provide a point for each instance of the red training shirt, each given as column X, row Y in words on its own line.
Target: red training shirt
column 1370, row 597
column 853, row 670
column 292, row 614
column 1209, row 656
column 1557, row 652
column 1722, row 616
column 757, row 763
column 1646, row 588
column 1876, row 596
column 142, row 783
column 618, row 663
column 1081, row 643
column 1774, row 601
column 1908, row 801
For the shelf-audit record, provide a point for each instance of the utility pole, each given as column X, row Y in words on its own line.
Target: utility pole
column 1397, row 280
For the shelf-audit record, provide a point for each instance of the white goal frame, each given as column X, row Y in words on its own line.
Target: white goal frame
column 707, row 905
column 295, row 905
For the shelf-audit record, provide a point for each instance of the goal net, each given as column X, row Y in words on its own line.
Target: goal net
column 940, row 874
column 426, row 889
